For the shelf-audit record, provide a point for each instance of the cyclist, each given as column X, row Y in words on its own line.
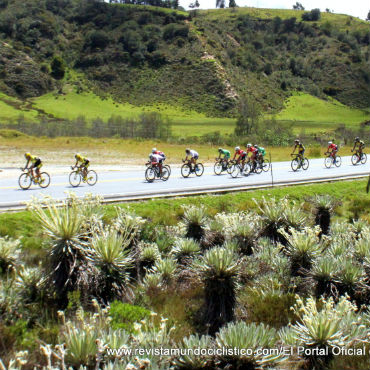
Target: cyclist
column 242, row 155
column 254, row 151
column 358, row 147
column 261, row 152
column 226, row 155
column 157, row 157
column 301, row 149
column 193, row 156
column 36, row 164
column 84, row 164
column 332, row 150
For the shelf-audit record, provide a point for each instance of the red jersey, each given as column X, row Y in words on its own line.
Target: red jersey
column 252, row 149
column 333, row 146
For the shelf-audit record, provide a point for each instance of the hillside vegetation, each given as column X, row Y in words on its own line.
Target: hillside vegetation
column 186, row 65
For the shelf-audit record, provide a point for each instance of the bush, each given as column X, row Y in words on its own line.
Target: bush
column 313, row 15
column 124, row 315
column 173, row 30
column 58, row 68
column 97, row 39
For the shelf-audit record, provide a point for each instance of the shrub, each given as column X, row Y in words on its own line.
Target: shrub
column 313, row 15
column 173, row 30
column 97, row 39
column 57, row 67
column 124, row 315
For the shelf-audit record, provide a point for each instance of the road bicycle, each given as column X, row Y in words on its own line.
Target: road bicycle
column 76, row 176
column 332, row 161
column 356, row 158
column 238, row 168
column 152, row 172
column 299, row 162
column 166, row 165
column 187, row 168
column 222, row 165
column 26, row 179
column 265, row 164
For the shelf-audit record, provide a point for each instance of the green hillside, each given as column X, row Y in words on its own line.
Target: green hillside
column 124, row 59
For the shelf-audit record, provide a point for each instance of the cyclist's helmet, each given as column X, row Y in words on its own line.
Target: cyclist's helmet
column 330, row 142
column 78, row 156
column 27, row 155
column 154, row 150
column 357, row 139
column 249, row 145
column 255, row 145
column 220, row 150
column 187, row 151
column 296, row 141
column 237, row 148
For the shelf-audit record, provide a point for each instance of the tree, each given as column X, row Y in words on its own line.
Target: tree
column 248, row 116
column 220, row 3
column 368, row 16
column 58, row 68
column 194, row 5
column 298, row 6
column 313, row 15
column 232, row 4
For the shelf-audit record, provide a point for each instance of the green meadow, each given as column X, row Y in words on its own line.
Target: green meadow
column 303, row 110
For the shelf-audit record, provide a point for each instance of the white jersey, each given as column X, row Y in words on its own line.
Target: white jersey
column 157, row 157
column 194, row 154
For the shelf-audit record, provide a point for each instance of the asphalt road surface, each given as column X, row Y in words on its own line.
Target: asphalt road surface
column 131, row 184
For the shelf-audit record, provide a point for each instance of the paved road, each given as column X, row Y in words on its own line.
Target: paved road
column 132, row 184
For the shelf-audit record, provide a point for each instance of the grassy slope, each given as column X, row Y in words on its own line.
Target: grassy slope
column 312, row 113
column 341, row 21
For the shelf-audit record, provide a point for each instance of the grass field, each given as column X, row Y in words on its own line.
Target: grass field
column 315, row 112
column 339, row 20
column 305, row 111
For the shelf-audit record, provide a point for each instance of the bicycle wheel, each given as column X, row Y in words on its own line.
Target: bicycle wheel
column 295, row 164
column 235, row 170
column 328, row 162
column 25, row 181
column 91, row 177
column 355, row 159
column 199, row 169
column 305, row 164
column 229, row 168
column 168, row 169
column 44, row 180
column 150, row 174
column 258, row 167
column 266, row 165
column 185, row 170
column 338, row 161
column 363, row 158
column 165, row 174
column 217, row 168
column 247, row 169
column 74, row 178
